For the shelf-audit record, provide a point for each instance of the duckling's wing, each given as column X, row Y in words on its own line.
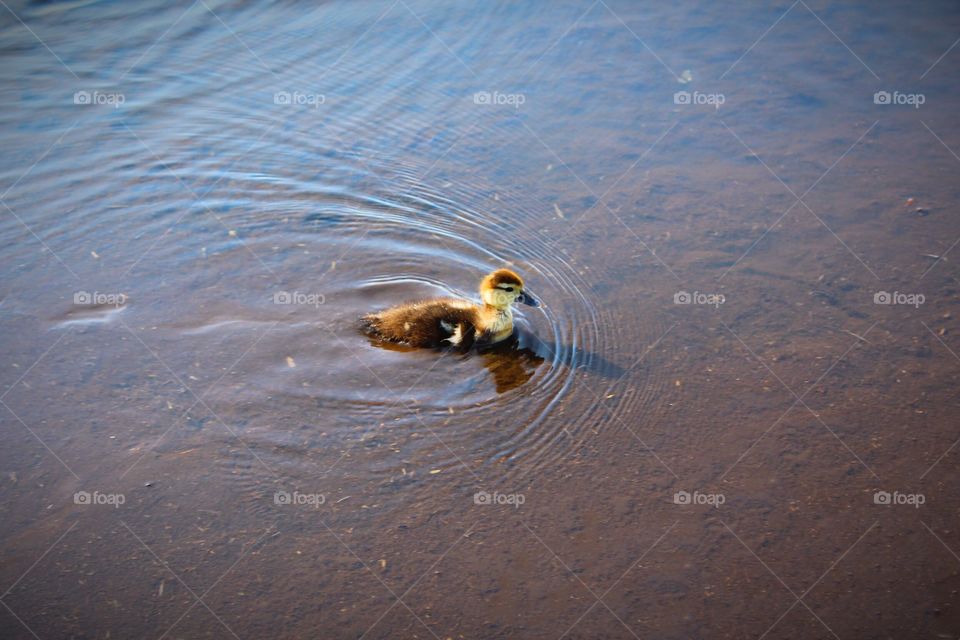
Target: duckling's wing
column 446, row 321
column 431, row 323
column 460, row 332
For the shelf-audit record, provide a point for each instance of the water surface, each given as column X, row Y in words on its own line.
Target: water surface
column 201, row 199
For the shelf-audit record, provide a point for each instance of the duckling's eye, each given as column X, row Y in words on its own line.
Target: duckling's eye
column 510, row 289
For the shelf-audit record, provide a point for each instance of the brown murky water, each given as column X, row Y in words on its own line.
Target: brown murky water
column 716, row 426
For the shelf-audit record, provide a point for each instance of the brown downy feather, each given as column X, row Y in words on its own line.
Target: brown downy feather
column 421, row 324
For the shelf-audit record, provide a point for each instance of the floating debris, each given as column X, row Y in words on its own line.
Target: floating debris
column 857, row 336
column 95, row 255
column 290, row 362
column 558, row 211
column 686, row 77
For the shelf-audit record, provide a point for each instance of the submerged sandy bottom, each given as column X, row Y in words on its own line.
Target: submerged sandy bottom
column 221, row 453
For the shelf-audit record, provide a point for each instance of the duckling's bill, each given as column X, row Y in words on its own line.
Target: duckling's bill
column 528, row 299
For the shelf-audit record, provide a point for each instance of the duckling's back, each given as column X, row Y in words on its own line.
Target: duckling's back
column 430, row 323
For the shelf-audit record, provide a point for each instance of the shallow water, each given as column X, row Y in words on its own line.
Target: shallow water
column 201, row 200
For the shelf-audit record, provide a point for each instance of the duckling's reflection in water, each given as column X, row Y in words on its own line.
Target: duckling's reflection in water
column 514, row 360
column 510, row 363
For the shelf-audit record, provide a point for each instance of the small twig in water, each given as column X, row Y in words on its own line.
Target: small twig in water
column 858, row 337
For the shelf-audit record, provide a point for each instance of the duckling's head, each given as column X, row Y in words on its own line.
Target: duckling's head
column 502, row 288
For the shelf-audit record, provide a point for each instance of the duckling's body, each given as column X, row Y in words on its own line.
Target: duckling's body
column 451, row 321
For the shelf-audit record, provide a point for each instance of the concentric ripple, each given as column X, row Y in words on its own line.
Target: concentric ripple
column 257, row 233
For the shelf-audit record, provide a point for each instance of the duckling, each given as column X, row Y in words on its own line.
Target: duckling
column 461, row 323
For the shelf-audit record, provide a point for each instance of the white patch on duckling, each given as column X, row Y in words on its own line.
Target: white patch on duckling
column 455, row 331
